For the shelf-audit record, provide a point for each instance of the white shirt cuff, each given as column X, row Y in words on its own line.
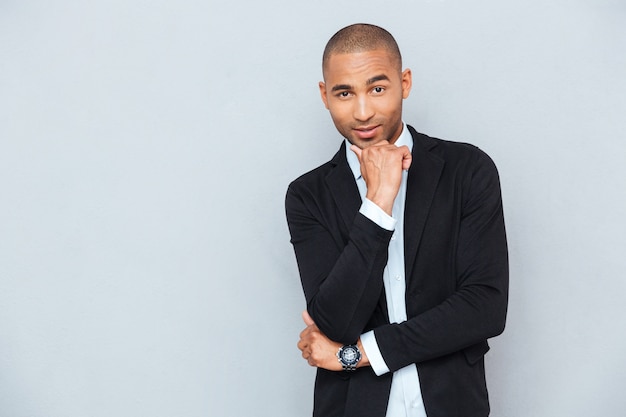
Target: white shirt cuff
column 370, row 346
column 370, row 210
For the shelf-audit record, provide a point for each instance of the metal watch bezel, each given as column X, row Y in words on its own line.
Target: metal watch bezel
column 349, row 364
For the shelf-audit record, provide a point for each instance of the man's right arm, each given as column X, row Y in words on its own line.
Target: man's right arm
column 342, row 285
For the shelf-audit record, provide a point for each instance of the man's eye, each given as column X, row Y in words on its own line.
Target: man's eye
column 379, row 90
column 344, row 94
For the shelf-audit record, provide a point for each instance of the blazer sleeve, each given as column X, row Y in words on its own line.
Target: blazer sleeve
column 476, row 309
column 341, row 275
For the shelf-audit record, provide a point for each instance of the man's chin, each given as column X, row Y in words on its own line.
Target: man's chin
column 364, row 143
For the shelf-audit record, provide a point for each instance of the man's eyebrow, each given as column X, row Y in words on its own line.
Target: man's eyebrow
column 381, row 77
column 373, row 80
column 339, row 87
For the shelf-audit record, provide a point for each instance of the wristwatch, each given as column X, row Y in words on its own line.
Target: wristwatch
column 349, row 356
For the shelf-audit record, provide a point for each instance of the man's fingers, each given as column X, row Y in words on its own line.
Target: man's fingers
column 305, row 334
column 302, row 345
column 307, row 318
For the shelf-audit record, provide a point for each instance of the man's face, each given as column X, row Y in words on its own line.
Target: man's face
column 363, row 92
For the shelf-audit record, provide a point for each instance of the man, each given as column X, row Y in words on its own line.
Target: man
column 401, row 249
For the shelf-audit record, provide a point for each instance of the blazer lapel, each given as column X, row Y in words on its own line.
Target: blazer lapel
column 343, row 188
column 423, row 178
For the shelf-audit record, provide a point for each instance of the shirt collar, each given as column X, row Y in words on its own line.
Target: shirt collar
column 404, row 139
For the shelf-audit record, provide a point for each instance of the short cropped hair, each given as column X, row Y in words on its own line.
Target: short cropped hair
column 362, row 37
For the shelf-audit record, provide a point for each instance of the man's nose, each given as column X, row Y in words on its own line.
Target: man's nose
column 363, row 109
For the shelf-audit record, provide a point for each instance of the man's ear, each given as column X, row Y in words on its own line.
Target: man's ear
column 322, row 86
column 407, row 82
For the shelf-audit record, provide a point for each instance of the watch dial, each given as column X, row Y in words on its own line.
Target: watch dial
column 350, row 355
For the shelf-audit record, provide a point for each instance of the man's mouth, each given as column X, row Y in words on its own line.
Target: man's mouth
column 366, row 132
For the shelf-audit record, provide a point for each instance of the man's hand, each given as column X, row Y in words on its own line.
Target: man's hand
column 319, row 350
column 381, row 168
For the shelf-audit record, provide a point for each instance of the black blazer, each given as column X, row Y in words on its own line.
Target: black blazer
column 456, row 277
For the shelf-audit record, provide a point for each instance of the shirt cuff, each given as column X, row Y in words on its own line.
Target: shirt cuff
column 370, row 210
column 370, row 346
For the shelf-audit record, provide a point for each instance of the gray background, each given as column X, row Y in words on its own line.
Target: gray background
column 146, row 147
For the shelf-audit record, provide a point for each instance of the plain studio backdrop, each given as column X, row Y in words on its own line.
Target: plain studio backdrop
column 146, row 147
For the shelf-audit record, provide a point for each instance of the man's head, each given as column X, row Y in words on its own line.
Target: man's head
column 364, row 84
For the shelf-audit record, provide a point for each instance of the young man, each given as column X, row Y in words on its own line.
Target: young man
column 401, row 249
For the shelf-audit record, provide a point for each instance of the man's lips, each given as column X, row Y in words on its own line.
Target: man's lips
column 365, row 132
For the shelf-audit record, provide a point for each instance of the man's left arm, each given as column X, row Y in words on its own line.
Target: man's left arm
column 477, row 309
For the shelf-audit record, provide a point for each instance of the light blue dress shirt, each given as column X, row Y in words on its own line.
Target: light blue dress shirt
column 405, row 398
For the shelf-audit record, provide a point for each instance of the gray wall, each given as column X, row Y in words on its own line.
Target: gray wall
column 146, row 146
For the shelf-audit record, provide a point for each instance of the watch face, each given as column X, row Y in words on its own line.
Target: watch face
column 350, row 355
